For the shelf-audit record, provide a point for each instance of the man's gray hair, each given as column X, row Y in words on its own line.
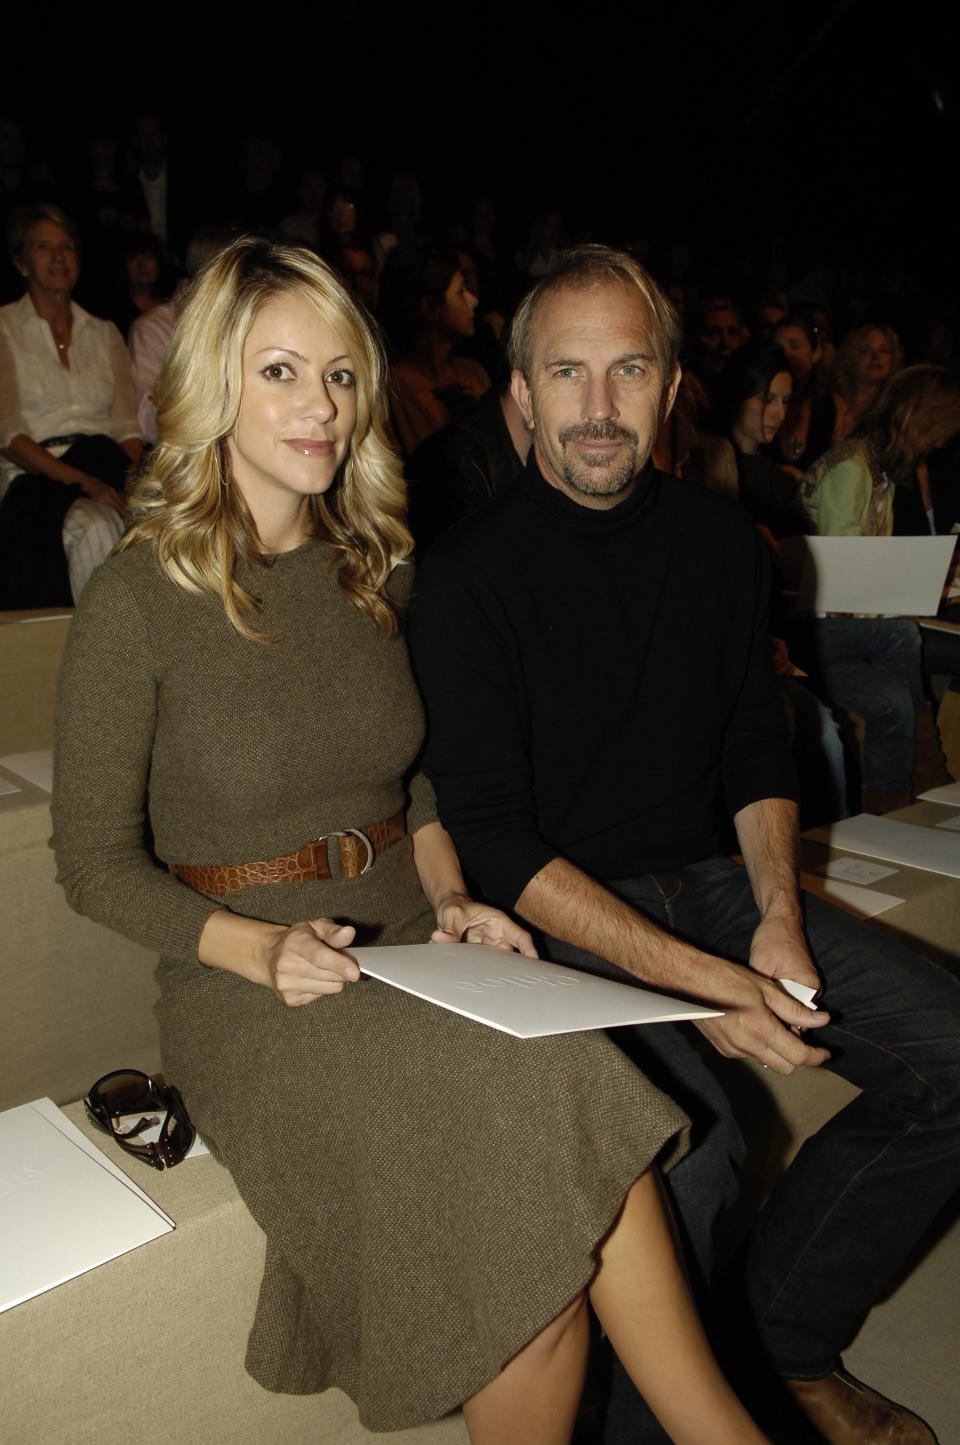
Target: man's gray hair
column 583, row 266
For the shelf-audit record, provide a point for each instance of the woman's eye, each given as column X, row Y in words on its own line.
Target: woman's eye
column 341, row 377
column 278, row 371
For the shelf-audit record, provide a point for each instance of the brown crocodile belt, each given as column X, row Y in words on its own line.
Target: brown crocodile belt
column 358, row 849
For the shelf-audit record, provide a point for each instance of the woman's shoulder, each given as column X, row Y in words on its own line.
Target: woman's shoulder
column 848, row 460
column 135, row 575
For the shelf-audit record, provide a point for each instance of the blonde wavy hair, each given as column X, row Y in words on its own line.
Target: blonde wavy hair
column 185, row 503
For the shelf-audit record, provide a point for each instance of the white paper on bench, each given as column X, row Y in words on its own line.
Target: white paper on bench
column 64, row 1206
column 36, row 767
column 949, row 793
column 7, row 787
column 929, row 849
column 861, row 902
column 525, row 997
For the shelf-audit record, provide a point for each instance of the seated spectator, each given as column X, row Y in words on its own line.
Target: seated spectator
column 872, row 666
column 142, row 280
column 754, row 400
column 718, row 331
column 766, row 315
column 427, row 311
column 305, row 226
column 356, row 262
column 462, row 466
column 866, row 360
column 68, row 427
column 150, row 334
column 808, row 428
column 850, row 491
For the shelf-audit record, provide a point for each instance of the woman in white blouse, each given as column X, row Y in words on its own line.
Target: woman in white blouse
column 68, row 424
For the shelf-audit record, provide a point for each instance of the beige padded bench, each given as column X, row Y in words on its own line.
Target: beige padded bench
column 149, row 1347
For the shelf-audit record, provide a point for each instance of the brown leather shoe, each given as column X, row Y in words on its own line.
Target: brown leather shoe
column 847, row 1412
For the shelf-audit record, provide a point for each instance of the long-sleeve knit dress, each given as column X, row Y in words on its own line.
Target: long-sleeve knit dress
column 432, row 1191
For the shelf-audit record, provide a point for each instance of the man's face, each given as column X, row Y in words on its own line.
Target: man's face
column 722, row 334
column 596, row 394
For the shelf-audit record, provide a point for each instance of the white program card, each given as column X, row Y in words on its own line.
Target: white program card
column 856, row 870
column 949, row 794
column 525, row 997
column 36, row 767
column 802, row 992
column 881, row 576
column 64, row 1207
column 909, row 844
column 861, row 902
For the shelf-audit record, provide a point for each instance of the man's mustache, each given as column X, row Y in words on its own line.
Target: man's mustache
column 599, row 431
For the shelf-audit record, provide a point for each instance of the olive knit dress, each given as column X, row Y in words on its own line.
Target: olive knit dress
column 432, row 1191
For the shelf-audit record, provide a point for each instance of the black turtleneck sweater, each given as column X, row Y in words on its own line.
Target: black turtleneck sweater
column 599, row 684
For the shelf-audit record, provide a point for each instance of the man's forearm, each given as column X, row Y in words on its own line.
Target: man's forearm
column 760, row 1021
column 564, row 901
column 768, row 838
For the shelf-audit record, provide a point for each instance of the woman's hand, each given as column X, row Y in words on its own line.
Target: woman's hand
column 305, row 962
column 462, row 920
column 101, row 492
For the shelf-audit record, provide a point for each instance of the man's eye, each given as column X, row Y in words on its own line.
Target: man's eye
column 565, row 371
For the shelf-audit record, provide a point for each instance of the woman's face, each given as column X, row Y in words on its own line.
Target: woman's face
column 455, row 316
column 761, row 417
column 143, row 269
column 795, row 344
column 49, row 259
column 873, row 358
column 298, row 408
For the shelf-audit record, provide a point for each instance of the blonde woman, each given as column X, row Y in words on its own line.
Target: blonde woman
column 866, row 360
column 438, row 1198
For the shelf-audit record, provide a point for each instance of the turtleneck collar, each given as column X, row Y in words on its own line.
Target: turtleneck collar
column 593, row 520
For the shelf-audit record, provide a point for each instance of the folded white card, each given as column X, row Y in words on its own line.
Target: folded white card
column 64, row 1206
column 884, row 576
column 949, row 793
column 525, row 997
column 36, row 767
column 861, row 902
column 856, row 870
column 908, row 843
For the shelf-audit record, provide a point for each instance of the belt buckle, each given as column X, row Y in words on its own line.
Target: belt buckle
column 357, row 833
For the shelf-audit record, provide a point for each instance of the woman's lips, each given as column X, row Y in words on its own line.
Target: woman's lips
column 310, row 446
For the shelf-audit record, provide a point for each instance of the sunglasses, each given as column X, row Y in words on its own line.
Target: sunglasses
column 115, row 1101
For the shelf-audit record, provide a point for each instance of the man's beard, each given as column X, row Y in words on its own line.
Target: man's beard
column 599, row 476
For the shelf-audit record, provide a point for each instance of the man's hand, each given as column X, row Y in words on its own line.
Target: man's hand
column 779, row 950
column 760, row 1021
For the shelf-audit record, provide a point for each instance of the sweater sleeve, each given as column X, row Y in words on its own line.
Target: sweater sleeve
column 756, row 761
column 477, row 755
column 106, row 719
column 842, row 499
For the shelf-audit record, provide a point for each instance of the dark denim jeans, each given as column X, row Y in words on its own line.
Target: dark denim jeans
column 872, row 666
column 863, row 1189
